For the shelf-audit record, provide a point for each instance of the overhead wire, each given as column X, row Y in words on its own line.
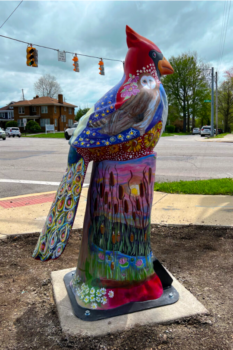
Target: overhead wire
column 227, row 8
column 11, row 14
column 51, row 48
column 221, row 34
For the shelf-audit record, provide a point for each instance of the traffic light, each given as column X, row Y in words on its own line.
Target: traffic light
column 75, row 64
column 32, row 57
column 101, row 67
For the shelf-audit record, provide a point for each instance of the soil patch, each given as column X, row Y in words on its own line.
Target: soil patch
column 199, row 257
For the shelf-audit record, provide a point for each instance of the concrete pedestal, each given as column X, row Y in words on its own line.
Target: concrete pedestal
column 187, row 306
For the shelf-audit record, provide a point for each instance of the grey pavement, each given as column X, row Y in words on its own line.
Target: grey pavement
column 178, row 158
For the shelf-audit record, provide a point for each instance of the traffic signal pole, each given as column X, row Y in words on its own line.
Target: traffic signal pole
column 216, row 103
column 212, row 102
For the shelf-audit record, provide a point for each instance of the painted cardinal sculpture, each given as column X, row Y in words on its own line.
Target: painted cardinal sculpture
column 124, row 125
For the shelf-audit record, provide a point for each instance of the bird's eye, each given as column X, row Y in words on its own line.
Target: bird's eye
column 144, row 81
column 153, row 54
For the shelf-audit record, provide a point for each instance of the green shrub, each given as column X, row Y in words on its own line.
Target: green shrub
column 11, row 124
column 170, row 128
column 33, row 127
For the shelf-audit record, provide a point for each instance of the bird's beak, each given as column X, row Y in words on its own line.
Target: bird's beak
column 164, row 67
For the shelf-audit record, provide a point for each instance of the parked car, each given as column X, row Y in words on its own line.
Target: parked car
column 220, row 131
column 206, row 130
column 2, row 134
column 196, row 131
column 69, row 132
column 13, row 131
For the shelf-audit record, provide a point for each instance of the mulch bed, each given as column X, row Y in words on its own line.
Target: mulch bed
column 201, row 258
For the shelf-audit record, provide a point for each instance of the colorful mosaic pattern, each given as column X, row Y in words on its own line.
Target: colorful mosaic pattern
column 130, row 149
column 55, row 233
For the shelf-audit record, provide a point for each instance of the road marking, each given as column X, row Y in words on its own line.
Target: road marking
column 35, row 182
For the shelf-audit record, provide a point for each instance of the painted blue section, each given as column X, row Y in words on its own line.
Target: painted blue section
column 104, row 107
column 91, row 137
column 117, row 258
column 73, row 156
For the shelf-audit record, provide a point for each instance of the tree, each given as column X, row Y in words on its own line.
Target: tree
column 11, row 124
column 47, row 86
column 187, row 87
column 225, row 100
column 80, row 113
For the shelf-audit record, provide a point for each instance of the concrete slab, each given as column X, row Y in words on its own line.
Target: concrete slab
column 192, row 209
column 167, row 209
column 187, row 306
column 31, row 218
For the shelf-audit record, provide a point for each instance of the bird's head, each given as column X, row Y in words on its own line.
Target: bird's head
column 144, row 57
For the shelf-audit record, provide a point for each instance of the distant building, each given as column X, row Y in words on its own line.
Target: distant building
column 45, row 110
column 6, row 114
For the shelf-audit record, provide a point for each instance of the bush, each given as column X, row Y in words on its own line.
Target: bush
column 33, row 127
column 170, row 128
column 11, row 124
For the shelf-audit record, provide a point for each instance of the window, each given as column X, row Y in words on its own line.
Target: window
column 63, row 118
column 20, row 123
column 55, row 109
column 44, row 122
column 70, row 123
column 21, row 110
column 70, row 110
column 64, row 109
column 55, row 122
column 33, row 109
column 44, row 109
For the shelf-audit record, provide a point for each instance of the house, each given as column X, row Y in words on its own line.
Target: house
column 6, row 114
column 45, row 110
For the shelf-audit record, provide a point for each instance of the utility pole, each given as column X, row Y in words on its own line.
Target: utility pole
column 216, row 74
column 23, row 94
column 212, row 102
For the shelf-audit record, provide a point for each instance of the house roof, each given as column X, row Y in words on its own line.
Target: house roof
column 41, row 101
column 6, row 108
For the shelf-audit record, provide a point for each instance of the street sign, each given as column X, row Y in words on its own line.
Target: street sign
column 24, row 122
column 207, row 100
column 61, row 56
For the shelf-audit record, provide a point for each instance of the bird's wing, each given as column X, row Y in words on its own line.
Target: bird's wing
column 130, row 113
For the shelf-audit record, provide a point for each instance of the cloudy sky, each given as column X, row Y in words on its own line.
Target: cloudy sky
column 98, row 28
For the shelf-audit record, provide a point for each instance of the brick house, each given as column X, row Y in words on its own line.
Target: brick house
column 45, row 110
column 6, row 114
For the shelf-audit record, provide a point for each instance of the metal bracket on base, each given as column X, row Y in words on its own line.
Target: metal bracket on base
column 169, row 296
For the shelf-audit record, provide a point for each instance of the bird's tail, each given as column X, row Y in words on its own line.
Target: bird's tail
column 55, row 234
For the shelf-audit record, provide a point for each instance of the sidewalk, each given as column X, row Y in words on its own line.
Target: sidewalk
column 27, row 214
column 227, row 138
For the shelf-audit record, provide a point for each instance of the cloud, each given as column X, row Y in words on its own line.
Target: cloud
column 98, row 29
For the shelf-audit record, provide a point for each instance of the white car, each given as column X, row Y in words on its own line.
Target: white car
column 13, row 131
column 69, row 132
column 196, row 131
column 206, row 130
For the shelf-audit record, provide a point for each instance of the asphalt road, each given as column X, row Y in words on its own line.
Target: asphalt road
column 45, row 160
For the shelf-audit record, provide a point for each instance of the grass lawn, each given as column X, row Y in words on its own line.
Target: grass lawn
column 213, row 186
column 220, row 136
column 60, row 135
column 173, row 134
column 56, row 135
